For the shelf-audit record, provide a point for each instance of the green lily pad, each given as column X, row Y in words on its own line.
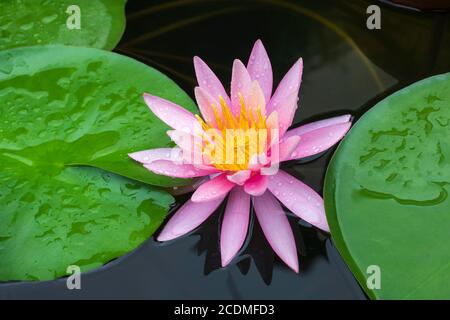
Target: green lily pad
column 77, row 216
column 386, row 194
column 64, row 109
column 82, row 106
column 39, row 22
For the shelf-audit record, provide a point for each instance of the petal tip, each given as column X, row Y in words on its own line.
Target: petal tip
column 147, row 96
column 165, row 236
column 197, row 59
column 149, row 100
column 133, row 155
column 259, row 46
column 292, row 262
column 324, row 226
column 348, row 117
column 349, row 124
column 225, row 259
column 199, row 65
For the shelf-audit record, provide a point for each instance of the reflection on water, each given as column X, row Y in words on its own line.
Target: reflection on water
column 347, row 69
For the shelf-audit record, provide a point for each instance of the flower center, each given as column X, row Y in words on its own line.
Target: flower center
column 232, row 142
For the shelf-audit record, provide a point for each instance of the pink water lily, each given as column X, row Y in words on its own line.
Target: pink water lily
column 255, row 178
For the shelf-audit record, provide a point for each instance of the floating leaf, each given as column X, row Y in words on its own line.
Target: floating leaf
column 60, row 113
column 53, row 216
column 37, row 22
column 386, row 194
column 81, row 106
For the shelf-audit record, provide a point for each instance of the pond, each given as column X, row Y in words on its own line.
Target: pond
column 348, row 68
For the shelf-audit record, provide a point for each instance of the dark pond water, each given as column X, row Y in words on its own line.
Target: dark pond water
column 347, row 69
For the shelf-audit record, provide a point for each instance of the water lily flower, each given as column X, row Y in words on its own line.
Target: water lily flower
column 255, row 179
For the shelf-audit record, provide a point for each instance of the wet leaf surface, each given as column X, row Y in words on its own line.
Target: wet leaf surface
column 82, row 107
column 79, row 216
column 39, row 22
column 60, row 113
column 386, row 193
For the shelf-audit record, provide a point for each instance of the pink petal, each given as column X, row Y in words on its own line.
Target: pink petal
column 205, row 102
column 213, row 189
column 286, row 147
column 256, row 185
column 172, row 114
column 286, row 112
column 318, row 124
column 289, row 85
column 260, row 69
column 148, row 156
column 256, row 99
column 276, row 228
column 240, row 84
column 189, row 144
column 272, row 121
column 234, row 224
column 257, row 161
column 208, row 80
column 319, row 140
column 239, row 177
column 183, row 140
column 299, row 198
column 273, row 142
column 172, row 169
column 272, row 125
column 280, row 152
column 187, row 218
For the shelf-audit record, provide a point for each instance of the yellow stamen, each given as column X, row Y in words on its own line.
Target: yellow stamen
column 229, row 141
